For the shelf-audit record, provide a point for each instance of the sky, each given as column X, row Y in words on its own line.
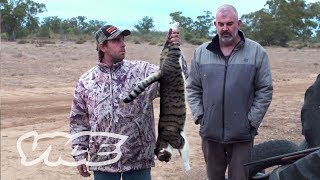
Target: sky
column 124, row 14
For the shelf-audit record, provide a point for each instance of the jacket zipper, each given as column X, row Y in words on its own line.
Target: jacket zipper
column 223, row 96
column 111, row 98
column 224, row 87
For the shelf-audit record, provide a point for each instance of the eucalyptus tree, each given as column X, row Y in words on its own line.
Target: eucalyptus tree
column 20, row 16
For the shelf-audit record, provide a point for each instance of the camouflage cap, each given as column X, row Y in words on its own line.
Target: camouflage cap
column 109, row 32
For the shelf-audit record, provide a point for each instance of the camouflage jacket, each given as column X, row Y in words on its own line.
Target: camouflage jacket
column 117, row 137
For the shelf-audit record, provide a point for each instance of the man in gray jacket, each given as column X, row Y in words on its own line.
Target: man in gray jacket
column 229, row 91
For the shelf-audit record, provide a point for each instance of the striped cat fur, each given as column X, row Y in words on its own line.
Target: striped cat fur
column 172, row 104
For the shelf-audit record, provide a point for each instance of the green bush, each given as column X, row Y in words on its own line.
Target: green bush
column 188, row 36
column 4, row 36
column 48, row 42
column 197, row 41
column 45, row 33
column 23, row 41
column 80, row 41
column 153, row 42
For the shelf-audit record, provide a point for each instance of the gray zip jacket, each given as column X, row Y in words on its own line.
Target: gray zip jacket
column 229, row 97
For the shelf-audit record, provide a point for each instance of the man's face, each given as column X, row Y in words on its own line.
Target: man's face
column 114, row 50
column 227, row 26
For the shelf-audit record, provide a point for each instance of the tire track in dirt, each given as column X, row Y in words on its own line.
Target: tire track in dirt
column 34, row 110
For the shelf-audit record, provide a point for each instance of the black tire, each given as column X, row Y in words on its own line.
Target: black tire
column 303, row 145
column 310, row 114
column 305, row 168
column 269, row 149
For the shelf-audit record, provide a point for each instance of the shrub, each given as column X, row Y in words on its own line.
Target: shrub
column 4, row 36
column 197, row 41
column 48, row 42
column 80, row 41
column 23, row 41
column 188, row 36
column 153, row 42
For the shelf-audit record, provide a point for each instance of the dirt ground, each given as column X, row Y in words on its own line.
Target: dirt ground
column 37, row 84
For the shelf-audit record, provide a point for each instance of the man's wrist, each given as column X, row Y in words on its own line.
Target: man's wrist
column 198, row 119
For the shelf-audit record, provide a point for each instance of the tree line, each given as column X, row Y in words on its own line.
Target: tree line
column 279, row 22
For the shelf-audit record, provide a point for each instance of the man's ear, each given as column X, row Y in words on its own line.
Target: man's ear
column 100, row 47
column 239, row 23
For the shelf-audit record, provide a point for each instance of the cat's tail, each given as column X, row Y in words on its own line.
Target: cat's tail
column 142, row 86
column 184, row 153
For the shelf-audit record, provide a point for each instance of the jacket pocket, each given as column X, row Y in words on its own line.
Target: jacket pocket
column 248, row 123
column 237, row 127
column 207, row 114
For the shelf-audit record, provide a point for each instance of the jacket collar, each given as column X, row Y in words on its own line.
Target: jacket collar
column 214, row 45
column 104, row 68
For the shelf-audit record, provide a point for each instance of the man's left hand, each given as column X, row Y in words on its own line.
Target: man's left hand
column 173, row 37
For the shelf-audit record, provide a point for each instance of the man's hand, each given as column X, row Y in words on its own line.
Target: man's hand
column 198, row 119
column 83, row 171
column 173, row 37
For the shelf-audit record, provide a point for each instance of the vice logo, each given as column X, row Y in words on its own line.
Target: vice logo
column 114, row 148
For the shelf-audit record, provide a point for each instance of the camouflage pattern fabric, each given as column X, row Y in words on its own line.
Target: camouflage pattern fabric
column 97, row 107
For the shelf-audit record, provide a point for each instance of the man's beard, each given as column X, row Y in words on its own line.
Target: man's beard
column 227, row 40
column 117, row 60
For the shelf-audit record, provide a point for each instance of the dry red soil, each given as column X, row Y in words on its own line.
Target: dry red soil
column 37, row 84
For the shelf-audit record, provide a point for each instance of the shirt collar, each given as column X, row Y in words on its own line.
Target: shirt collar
column 103, row 67
column 214, row 45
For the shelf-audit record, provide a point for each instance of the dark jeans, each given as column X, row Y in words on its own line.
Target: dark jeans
column 220, row 156
column 143, row 174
